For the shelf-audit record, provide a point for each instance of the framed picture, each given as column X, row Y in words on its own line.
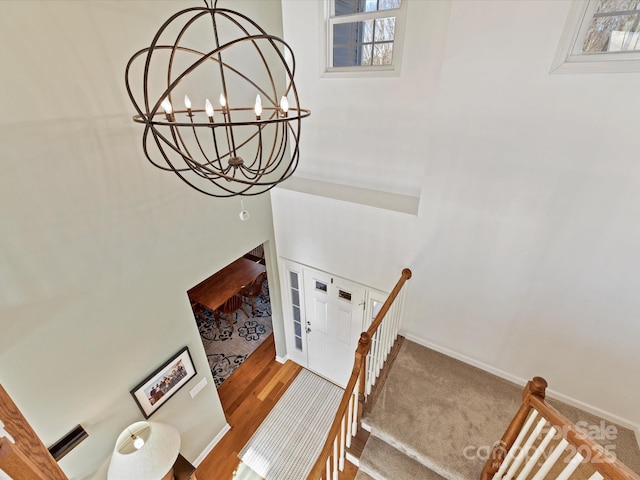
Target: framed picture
column 161, row 385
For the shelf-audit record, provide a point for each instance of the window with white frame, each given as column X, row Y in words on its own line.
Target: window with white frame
column 600, row 36
column 365, row 35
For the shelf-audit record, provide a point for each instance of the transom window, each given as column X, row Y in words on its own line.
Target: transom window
column 364, row 34
column 600, row 36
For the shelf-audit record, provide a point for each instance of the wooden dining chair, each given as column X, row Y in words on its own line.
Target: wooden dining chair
column 254, row 290
column 228, row 308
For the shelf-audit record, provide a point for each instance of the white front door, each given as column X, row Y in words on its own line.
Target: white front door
column 334, row 310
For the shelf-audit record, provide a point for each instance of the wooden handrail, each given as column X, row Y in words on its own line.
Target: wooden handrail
column 595, row 454
column 16, row 464
column 406, row 275
column 358, row 372
column 600, row 459
column 28, row 458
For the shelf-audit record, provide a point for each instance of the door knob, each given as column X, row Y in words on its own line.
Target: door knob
column 308, row 330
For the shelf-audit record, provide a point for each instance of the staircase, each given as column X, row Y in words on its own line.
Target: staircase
column 437, row 418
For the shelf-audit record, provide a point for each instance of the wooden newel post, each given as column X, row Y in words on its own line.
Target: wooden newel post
column 536, row 386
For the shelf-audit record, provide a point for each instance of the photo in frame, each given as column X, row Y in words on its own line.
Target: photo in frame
column 164, row 382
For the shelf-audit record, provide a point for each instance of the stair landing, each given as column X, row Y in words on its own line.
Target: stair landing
column 445, row 415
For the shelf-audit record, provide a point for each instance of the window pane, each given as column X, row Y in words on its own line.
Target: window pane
column 369, row 42
column 388, row 4
column 296, row 313
column 349, row 7
column 617, row 5
column 383, row 54
column 345, row 39
column 365, row 55
column 377, row 306
column 384, row 29
column 293, row 277
column 344, row 33
column 299, row 343
column 298, row 329
column 345, row 7
column 612, row 34
column 367, row 31
column 295, row 297
column 344, row 295
column 371, row 5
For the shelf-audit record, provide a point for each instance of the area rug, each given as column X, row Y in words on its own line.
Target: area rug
column 226, row 350
column 289, row 440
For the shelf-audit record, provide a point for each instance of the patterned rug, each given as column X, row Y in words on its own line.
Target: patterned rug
column 226, row 350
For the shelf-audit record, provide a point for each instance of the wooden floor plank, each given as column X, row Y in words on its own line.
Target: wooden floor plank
column 247, row 397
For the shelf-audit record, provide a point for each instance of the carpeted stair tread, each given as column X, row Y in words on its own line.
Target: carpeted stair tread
column 447, row 414
column 383, row 462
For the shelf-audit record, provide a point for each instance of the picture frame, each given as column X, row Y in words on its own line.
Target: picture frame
column 155, row 390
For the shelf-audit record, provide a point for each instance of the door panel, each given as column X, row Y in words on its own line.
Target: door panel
column 320, row 315
column 333, row 325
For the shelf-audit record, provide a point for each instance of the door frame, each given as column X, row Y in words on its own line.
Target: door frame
column 288, row 266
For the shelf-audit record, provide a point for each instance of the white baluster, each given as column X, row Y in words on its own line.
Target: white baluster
column 354, row 418
column 571, row 467
column 388, row 331
column 349, row 408
column 551, row 460
column 524, row 451
column 374, row 358
column 516, row 445
column 335, row 459
column 368, row 369
column 533, row 461
column 342, row 441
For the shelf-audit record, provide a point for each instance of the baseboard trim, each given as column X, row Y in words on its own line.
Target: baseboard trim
column 282, row 360
column 623, row 422
column 213, row 443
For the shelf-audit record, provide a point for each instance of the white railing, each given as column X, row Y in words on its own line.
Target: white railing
column 527, row 446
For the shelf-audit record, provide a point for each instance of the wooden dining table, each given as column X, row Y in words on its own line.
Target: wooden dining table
column 224, row 284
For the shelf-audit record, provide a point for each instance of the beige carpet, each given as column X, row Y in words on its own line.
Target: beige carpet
column 443, row 413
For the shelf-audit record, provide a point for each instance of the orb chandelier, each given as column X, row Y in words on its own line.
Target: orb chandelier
column 218, row 102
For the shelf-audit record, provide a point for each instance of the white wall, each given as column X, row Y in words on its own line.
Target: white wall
column 98, row 246
column 524, row 251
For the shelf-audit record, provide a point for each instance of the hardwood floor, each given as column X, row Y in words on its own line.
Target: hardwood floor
column 247, row 398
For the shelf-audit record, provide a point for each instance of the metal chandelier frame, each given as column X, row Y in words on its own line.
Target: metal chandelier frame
column 229, row 150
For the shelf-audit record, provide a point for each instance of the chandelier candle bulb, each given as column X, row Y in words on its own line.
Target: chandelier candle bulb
column 187, row 103
column 223, row 102
column 209, row 109
column 168, row 111
column 258, row 107
column 284, row 105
